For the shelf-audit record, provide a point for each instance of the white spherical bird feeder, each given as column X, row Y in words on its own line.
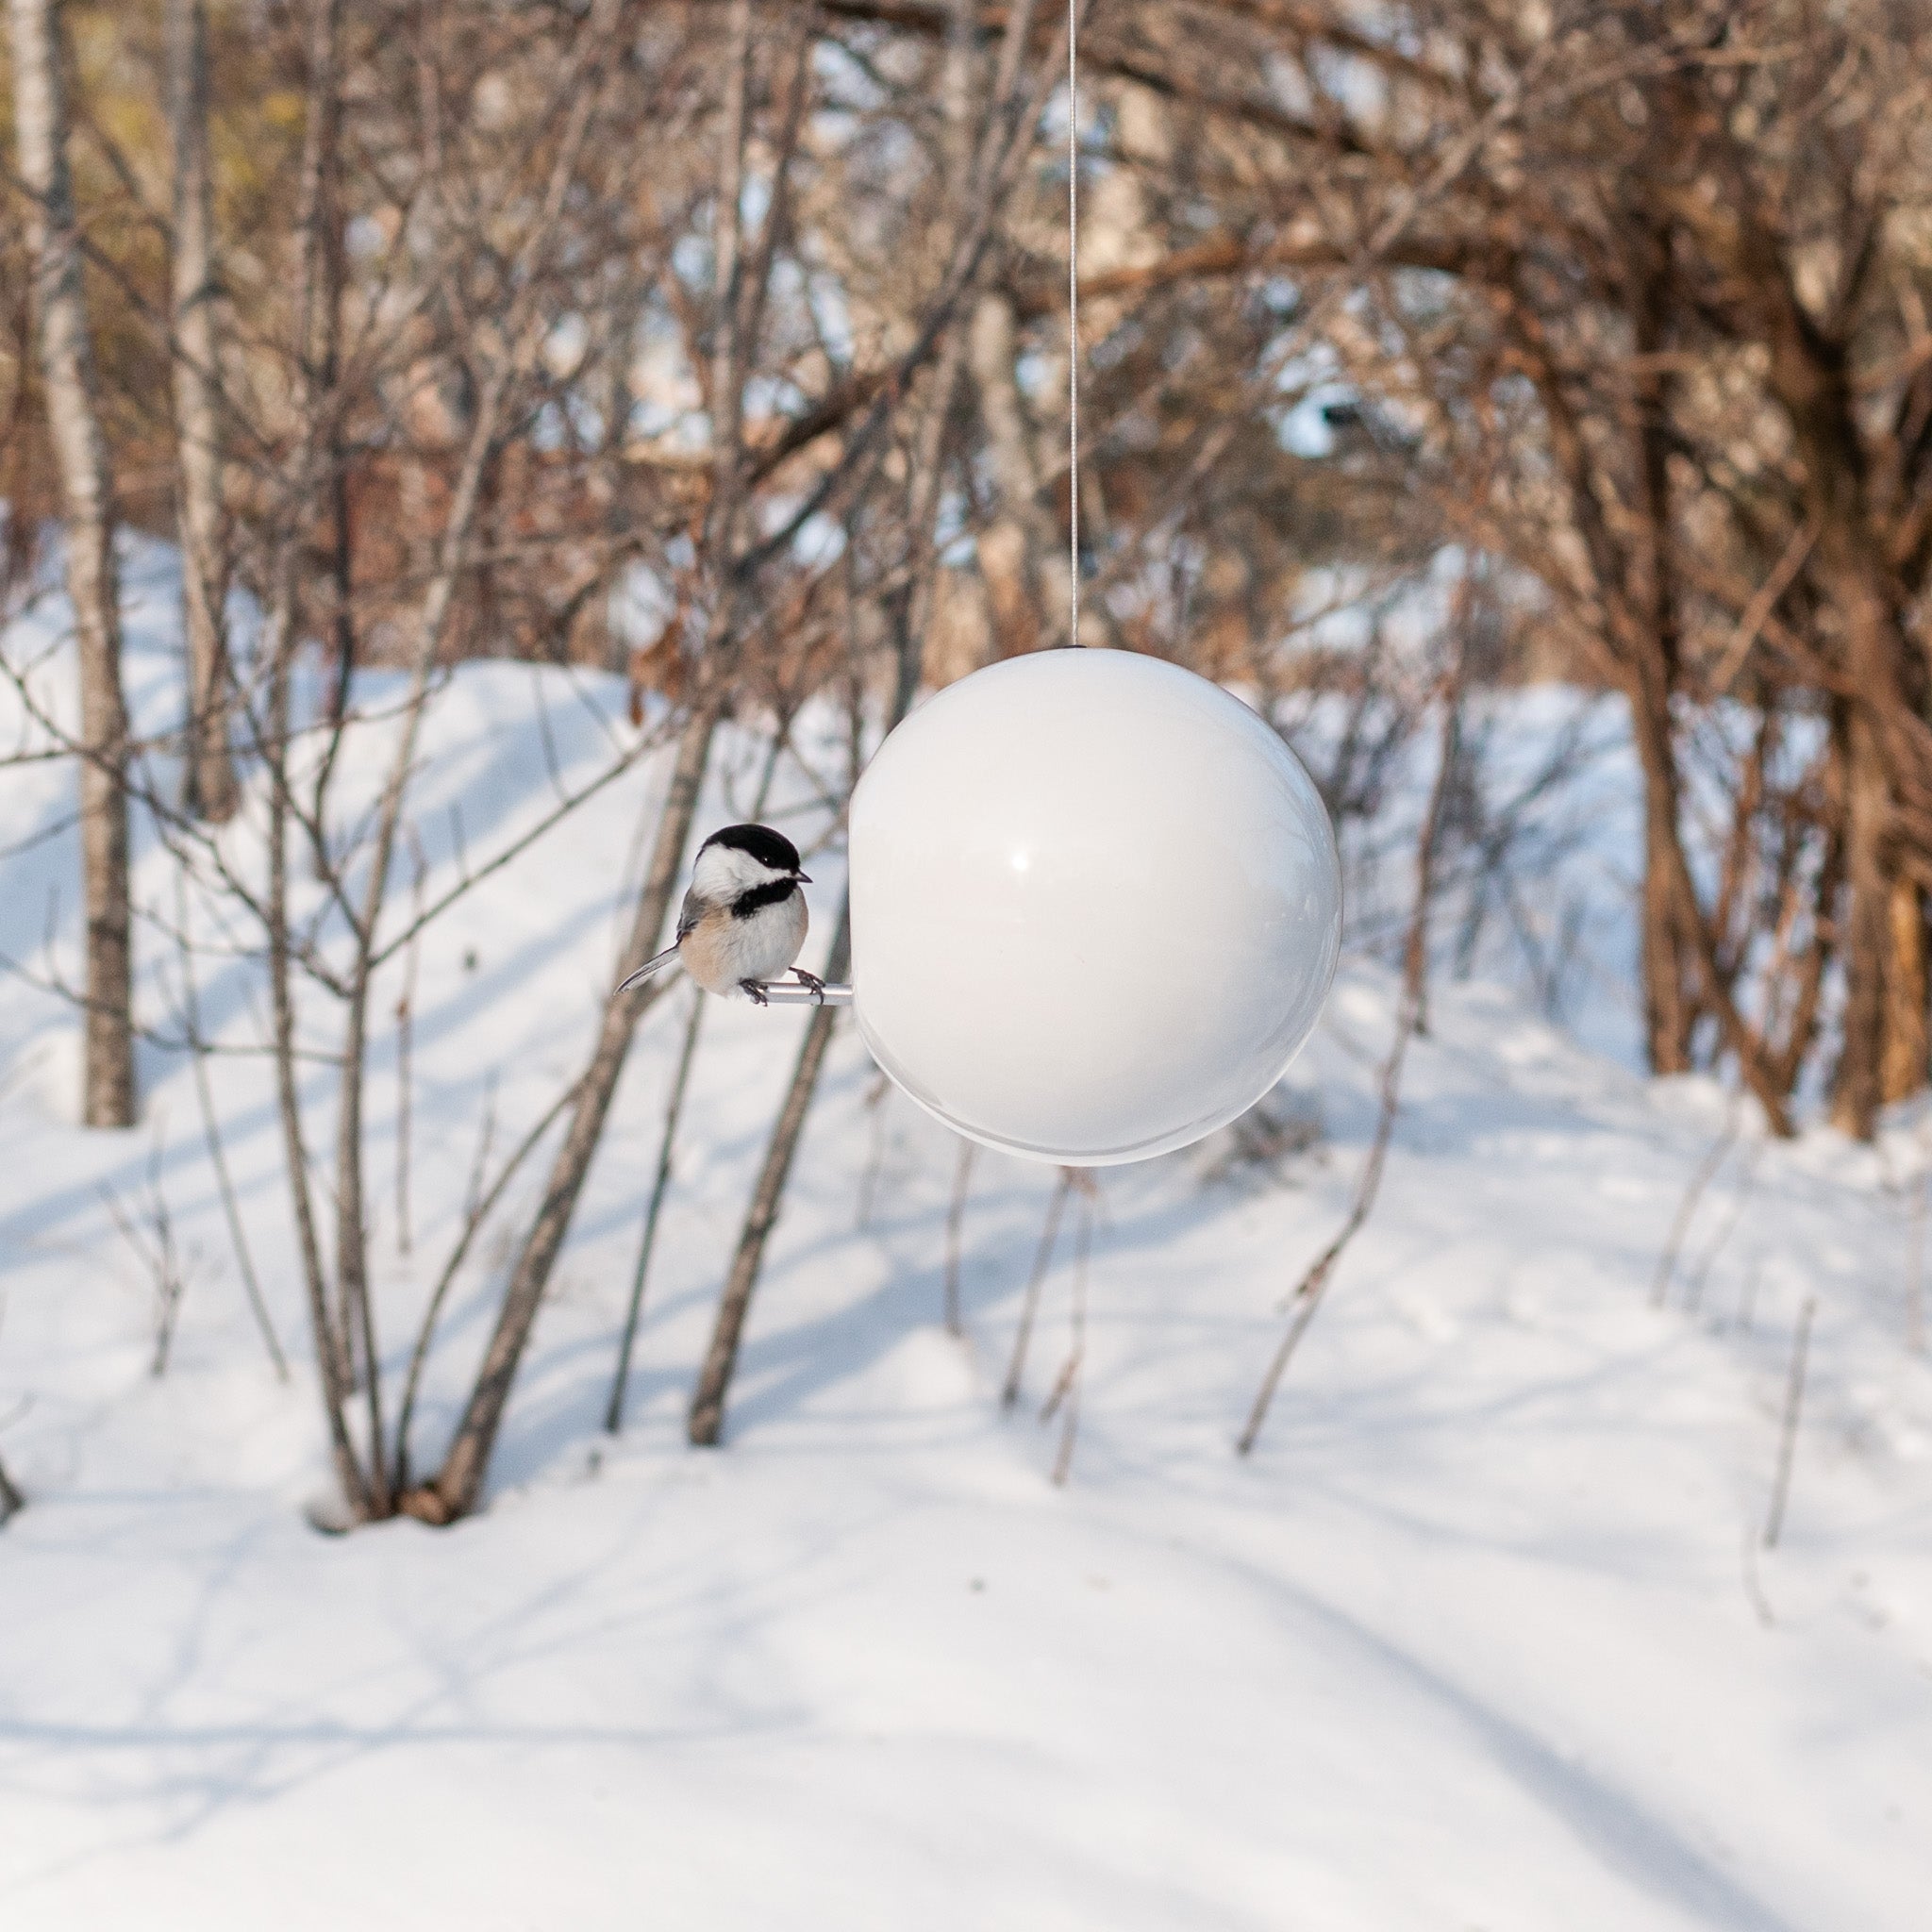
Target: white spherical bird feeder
column 1095, row 906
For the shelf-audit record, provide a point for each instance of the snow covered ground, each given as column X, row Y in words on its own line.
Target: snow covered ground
column 1480, row 1637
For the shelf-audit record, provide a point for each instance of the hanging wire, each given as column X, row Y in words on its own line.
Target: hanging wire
column 1073, row 319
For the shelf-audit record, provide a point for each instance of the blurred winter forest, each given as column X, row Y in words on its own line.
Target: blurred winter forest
column 1433, row 353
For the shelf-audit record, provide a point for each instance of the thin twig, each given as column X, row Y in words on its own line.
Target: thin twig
column 171, row 1284
column 154, row 1250
column 1915, row 1277
column 212, row 1134
column 405, row 1027
column 1701, row 1178
column 955, row 1216
column 647, row 1240
column 486, row 1140
column 1066, row 1390
column 1043, row 1259
column 1694, row 1281
column 1788, row 1435
column 875, row 1103
column 1306, row 1296
column 479, row 1211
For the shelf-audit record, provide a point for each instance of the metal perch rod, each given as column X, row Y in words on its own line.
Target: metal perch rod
column 787, row 993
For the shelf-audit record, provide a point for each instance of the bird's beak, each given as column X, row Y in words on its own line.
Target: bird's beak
column 804, row 878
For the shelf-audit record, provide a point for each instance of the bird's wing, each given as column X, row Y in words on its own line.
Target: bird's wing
column 656, row 963
column 689, row 914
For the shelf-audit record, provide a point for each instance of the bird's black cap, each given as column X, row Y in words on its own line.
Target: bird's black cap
column 770, row 848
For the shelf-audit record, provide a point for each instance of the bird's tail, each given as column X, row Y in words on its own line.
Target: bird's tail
column 655, row 964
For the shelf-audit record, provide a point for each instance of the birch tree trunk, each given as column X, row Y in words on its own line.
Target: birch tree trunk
column 81, row 453
column 208, row 787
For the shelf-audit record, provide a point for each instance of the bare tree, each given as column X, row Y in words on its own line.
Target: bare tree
column 738, row 562
column 40, row 118
column 1691, row 409
column 455, row 1488
column 209, row 787
column 500, row 258
column 971, row 180
column 1305, row 1301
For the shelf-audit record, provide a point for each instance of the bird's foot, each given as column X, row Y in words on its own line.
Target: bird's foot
column 754, row 992
column 812, row 984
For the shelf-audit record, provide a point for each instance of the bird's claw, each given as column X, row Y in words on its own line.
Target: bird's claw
column 812, row 984
column 754, row 992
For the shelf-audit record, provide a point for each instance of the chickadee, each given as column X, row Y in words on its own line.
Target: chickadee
column 743, row 919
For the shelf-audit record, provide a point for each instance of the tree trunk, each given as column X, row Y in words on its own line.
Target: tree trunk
column 80, row 451
column 1902, row 1063
column 1670, row 1010
column 1857, row 1085
column 707, row 1422
column 279, row 642
column 1668, row 1013
column 208, row 788
column 1880, row 944
column 1698, row 980
column 454, row 1489
column 906, row 613
column 1020, row 555
column 1883, row 1056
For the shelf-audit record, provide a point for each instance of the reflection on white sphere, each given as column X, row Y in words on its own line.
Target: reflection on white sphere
column 1095, row 906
